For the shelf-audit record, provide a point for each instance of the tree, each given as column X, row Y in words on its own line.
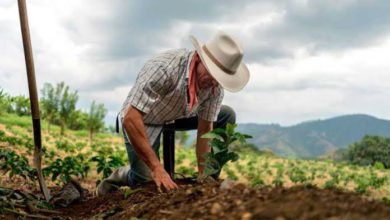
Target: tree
column 21, row 105
column 50, row 102
column 95, row 119
column 5, row 102
column 78, row 120
column 58, row 104
column 370, row 150
column 67, row 105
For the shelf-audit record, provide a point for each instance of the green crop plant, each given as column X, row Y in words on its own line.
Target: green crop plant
column 13, row 141
column 257, row 181
column 16, row 165
column 66, row 146
column 375, row 181
column 186, row 171
column 362, row 184
column 297, row 175
column 221, row 152
column 2, row 135
column 106, row 165
column 313, row 173
column 278, row 181
column 65, row 168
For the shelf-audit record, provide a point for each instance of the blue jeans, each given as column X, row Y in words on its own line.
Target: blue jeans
column 140, row 173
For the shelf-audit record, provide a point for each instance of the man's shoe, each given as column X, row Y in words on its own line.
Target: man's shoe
column 117, row 179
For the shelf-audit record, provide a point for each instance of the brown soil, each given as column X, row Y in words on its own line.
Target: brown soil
column 209, row 201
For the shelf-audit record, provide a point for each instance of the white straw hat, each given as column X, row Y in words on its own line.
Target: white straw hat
column 222, row 56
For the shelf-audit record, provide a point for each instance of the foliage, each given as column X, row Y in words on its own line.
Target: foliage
column 16, row 164
column 58, row 104
column 67, row 167
column 5, row 102
column 370, row 150
column 50, row 102
column 220, row 141
column 105, row 165
column 95, row 119
column 10, row 119
column 186, row 171
column 78, row 120
column 67, row 105
column 21, row 105
column 66, row 146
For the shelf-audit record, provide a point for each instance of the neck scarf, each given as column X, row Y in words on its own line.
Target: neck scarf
column 193, row 86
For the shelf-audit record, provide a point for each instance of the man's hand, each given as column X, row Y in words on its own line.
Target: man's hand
column 161, row 177
column 135, row 129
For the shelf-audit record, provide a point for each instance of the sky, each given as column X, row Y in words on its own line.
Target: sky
column 308, row 59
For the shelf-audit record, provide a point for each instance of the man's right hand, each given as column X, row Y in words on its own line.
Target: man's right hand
column 161, row 177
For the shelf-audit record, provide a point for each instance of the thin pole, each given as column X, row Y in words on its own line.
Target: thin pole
column 32, row 87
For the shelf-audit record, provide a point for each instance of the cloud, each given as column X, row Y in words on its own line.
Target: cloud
column 307, row 58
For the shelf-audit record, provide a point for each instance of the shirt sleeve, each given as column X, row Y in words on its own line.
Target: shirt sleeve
column 209, row 109
column 150, row 85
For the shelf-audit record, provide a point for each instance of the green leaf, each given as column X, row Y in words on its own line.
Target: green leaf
column 211, row 135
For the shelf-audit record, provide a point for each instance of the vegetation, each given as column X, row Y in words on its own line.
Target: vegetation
column 70, row 156
column 221, row 153
column 370, row 150
column 95, row 119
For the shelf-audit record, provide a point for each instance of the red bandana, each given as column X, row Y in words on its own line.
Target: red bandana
column 193, row 86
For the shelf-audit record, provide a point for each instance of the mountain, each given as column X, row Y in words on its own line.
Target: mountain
column 315, row 138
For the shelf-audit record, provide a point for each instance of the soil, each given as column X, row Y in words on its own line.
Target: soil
column 231, row 201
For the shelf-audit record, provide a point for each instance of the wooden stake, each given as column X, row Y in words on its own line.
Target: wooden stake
column 33, row 95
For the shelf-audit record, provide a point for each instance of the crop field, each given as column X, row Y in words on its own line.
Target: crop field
column 260, row 185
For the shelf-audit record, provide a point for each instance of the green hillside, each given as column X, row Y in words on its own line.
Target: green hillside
column 315, row 138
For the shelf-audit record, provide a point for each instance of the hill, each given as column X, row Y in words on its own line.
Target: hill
column 315, row 138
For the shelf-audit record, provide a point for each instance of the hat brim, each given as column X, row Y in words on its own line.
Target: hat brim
column 231, row 82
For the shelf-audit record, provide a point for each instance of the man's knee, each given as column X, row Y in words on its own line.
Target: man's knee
column 230, row 113
column 226, row 115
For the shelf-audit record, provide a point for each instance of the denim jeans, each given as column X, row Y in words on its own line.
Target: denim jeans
column 140, row 173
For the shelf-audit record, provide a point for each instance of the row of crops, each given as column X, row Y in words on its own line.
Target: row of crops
column 63, row 159
column 73, row 157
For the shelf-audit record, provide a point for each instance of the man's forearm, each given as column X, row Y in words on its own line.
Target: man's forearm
column 202, row 147
column 135, row 129
column 202, row 144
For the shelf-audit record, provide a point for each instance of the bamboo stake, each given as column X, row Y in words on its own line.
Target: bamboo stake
column 33, row 95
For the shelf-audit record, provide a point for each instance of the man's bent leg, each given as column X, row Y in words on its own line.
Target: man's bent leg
column 225, row 116
column 139, row 171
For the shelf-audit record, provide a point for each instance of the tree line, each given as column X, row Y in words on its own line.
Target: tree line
column 58, row 107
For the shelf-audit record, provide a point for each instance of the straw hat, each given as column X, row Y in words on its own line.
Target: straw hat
column 222, row 56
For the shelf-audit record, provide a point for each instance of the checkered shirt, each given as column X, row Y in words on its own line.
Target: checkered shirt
column 161, row 92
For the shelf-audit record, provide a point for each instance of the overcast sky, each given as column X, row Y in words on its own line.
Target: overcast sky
column 308, row 59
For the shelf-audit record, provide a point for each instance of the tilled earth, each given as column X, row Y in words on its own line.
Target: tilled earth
column 229, row 201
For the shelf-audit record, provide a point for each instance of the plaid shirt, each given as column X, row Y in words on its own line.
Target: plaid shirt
column 161, row 92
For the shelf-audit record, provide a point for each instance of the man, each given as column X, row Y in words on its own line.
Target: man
column 179, row 90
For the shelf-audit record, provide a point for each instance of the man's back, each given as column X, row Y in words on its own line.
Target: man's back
column 160, row 89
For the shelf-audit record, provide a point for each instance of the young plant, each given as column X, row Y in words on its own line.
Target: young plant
column 106, row 165
column 66, row 168
column 16, row 165
column 221, row 152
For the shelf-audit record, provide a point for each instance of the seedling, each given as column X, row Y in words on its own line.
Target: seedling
column 221, row 153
